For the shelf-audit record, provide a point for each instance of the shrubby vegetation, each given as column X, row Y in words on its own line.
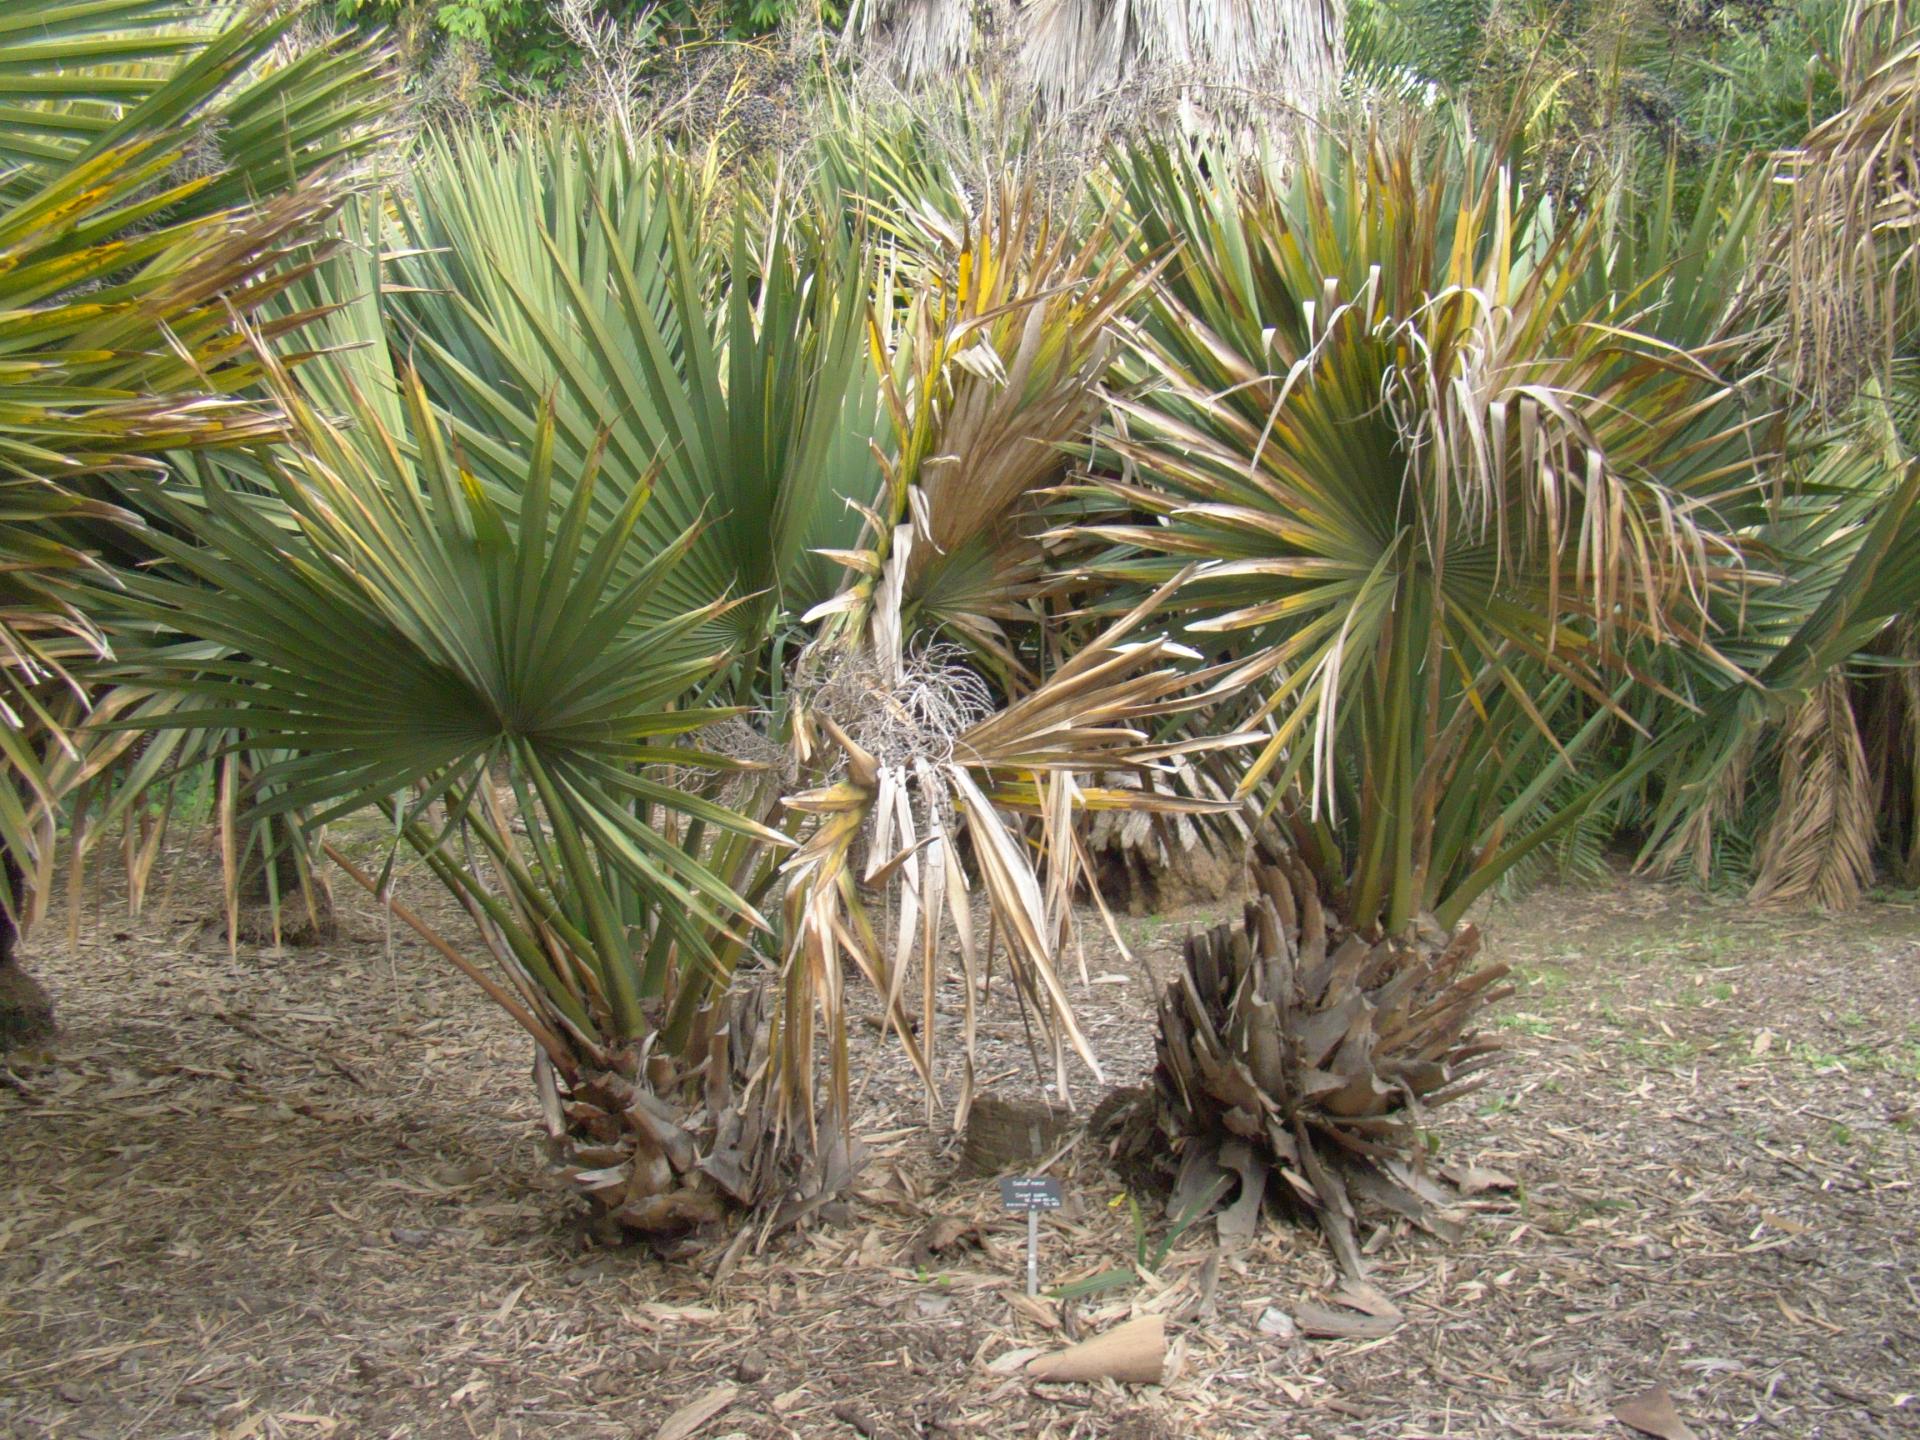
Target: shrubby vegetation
column 723, row 517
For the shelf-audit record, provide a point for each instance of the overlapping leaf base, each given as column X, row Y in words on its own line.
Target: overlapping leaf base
column 661, row 1146
column 1292, row 1046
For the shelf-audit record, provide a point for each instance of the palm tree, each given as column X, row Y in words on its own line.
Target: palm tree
column 1768, row 773
column 160, row 174
column 1436, row 497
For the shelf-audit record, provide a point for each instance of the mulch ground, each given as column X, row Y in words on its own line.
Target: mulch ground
column 301, row 1194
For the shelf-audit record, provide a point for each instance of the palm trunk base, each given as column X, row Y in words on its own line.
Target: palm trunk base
column 26, row 1014
column 1158, row 880
column 305, row 916
column 1146, row 864
column 661, row 1146
column 1298, row 1059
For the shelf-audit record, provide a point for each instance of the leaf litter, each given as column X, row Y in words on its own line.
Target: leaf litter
column 301, row 1193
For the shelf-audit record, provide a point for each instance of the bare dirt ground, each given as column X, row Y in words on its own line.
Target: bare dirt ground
column 300, row 1194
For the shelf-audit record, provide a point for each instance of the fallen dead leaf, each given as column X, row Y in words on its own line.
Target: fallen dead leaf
column 941, row 1236
column 1012, row 1360
column 1037, row 1308
column 1134, row 1351
column 1368, row 1298
column 1652, row 1413
column 1475, row 1179
column 1338, row 1325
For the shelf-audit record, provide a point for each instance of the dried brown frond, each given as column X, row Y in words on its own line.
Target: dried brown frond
column 917, row 710
column 1819, row 846
column 1295, row 1049
column 1692, row 845
column 1011, row 784
column 1196, row 65
column 1840, row 272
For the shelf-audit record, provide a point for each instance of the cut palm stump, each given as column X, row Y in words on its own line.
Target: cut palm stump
column 1006, row 1134
column 1292, row 1046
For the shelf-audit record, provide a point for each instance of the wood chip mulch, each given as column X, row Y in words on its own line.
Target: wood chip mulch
column 300, row 1194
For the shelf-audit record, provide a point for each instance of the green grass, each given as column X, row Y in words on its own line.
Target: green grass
column 1525, row 1023
column 1659, row 1053
column 1898, row 1058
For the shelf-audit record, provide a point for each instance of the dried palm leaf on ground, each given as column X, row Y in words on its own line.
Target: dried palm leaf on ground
column 1295, row 1049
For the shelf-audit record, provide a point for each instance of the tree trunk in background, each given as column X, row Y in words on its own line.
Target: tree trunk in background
column 297, row 922
column 26, row 1014
column 1210, row 63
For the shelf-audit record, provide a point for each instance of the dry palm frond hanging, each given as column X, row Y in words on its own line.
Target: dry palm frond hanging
column 992, row 369
column 1205, row 58
column 1841, row 273
column 1819, row 847
column 1011, row 783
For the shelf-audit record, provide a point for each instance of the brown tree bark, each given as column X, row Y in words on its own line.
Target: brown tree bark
column 26, row 1013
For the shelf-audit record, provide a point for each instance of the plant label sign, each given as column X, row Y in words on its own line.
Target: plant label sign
column 1031, row 1193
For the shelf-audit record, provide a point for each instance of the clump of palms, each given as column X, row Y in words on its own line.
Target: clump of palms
column 623, row 587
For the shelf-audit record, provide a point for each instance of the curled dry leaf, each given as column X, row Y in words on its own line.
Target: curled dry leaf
column 943, row 1237
column 1134, row 1352
column 1327, row 1324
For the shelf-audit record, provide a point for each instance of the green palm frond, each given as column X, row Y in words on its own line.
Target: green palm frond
column 240, row 105
column 1424, row 486
column 125, row 254
column 729, row 353
column 410, row 635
